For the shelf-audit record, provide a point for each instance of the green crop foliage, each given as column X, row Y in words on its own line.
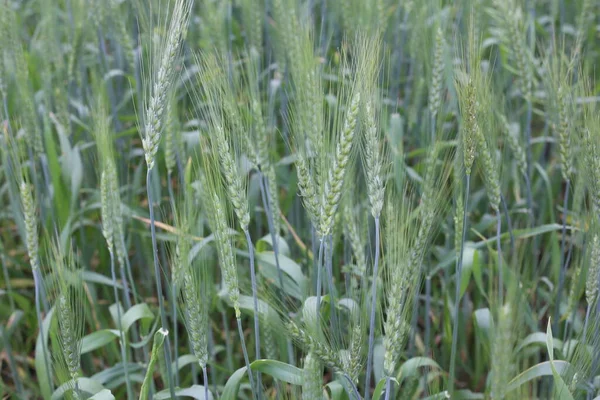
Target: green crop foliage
column 300, row 199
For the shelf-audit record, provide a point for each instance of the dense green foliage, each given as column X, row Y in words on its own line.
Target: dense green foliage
column 303, row 199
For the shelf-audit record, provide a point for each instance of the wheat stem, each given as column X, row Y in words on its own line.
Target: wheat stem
column 319, row 268
column 563, row 265
column 158, row 279
column 329, row 269
column 529, row 158
column 119, row 325
column 372, row 313
column 388, row 387
column 254, row 297
column 174, row 283
column 37, row 281
column 427, row 338
column 508, row 223
column 458, row 281
column 205, row 376
column 246, row 359
column 499, row 251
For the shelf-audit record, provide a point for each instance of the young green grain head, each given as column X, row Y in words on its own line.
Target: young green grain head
column 402, row 279
column 173, row 136
column 593, row 276
column 30, row 217
column 161, row 75
column 64, row 287
column 219, row 218
column 194, row 295
column 252, row 18
column 374, row 151
column 511, row 21
column 560, row 106
column 486, row 139
column 337, row 159
column 510, row 131
column 590, row 130
column 437, row 73
column 227, row 131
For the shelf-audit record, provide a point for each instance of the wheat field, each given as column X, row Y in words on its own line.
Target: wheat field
column 300, row 199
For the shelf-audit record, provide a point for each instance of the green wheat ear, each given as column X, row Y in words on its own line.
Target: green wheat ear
column 161, row 78
column 64, row 287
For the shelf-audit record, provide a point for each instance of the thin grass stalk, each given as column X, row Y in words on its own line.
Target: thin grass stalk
column 457, row 291
column 529, row 158
column 174, row 290
column 205, row 377
column 508, row 223
column 254, row 299
column 372, row 312
column 319, row 268
column 120, row 326
column 331, row 288
column 246, row 359
column 563, row 264
column 175, row 333
column 499, row 251
column 388, row 388
column 37, row 281
column 158, row 278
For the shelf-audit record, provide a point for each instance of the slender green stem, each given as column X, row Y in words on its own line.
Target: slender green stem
column 427, row 321
column 319, row 283
column 205, row 376
column 119, row 325
column 174, row 293
column 246, row 359
column 159, row 292
column 254, row 303
column 499, row 251
column 388, row 388
column 508, row 223
column 372, row 313
column 563, row 264
column 452, row 374
column 37, row 281
column 331, row 288
column 353, row 387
